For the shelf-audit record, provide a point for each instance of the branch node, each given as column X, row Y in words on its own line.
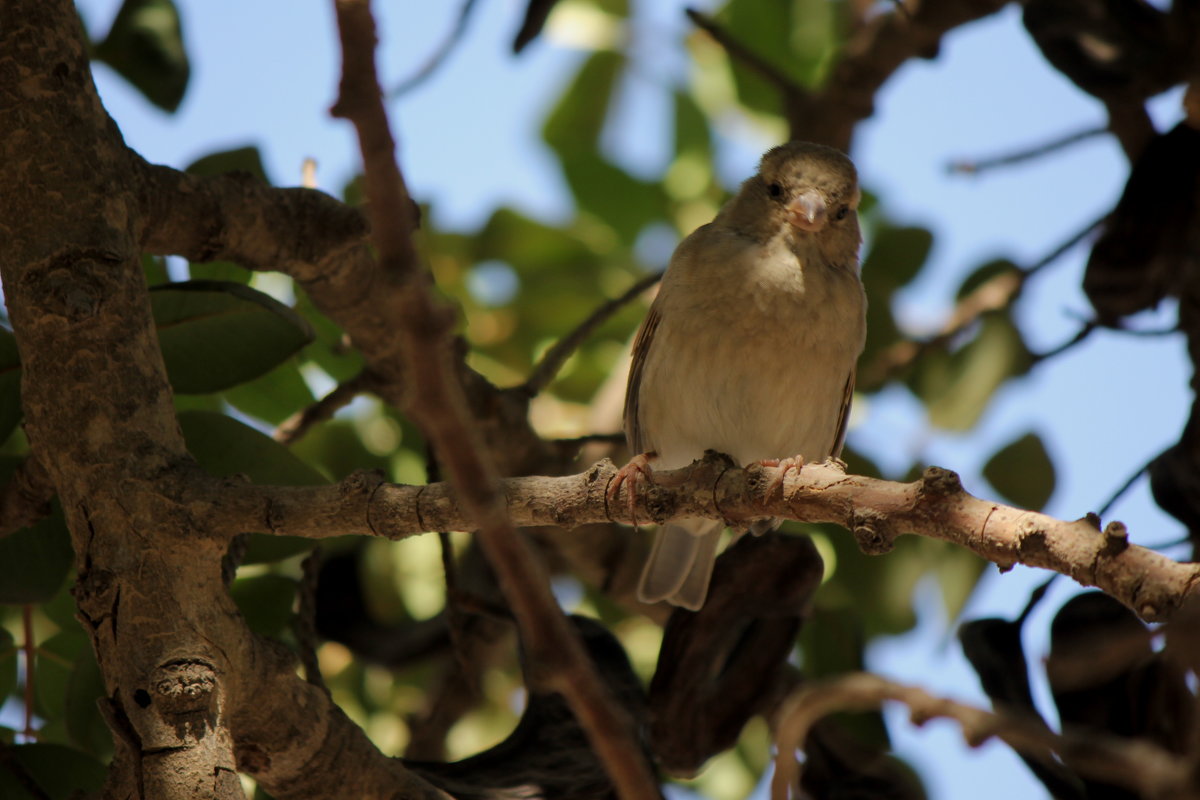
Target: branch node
column 940, row 482
column 872, row 532
column 1116, row 538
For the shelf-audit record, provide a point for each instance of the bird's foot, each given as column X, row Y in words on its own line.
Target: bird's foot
column 784, row 465
column 636, row 471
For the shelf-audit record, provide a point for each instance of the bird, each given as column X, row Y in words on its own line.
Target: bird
column 749, row 348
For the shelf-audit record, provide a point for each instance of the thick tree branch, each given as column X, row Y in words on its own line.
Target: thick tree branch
column 875, row 511
column 441, row 410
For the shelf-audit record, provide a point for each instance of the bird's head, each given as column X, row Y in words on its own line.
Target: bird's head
column 802, row 189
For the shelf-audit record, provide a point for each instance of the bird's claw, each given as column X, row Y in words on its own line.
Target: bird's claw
column 637, row 470
column 784, row 465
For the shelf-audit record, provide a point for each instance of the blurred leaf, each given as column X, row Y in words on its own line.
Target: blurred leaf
column 145, row 46
column 34, row 561
column 692, row 134
column 155, row 269
column 894, row 260
column 575, row 124
column 957, row 570
column 1022, row 472
column 85, row 726
column 338, row 449
column 60, row 609
column 10, row 384
column 219, row 271
column 272, row 397
column 216, row 334
column 223, row 446
column 240, row 159
column 832, row 641
column 8, row 664
column 613, row 195
column 329, row 351
column 956, row 388
column 55, row 659
column 888, row 608
column 59, row 772
column 265, row 602
column 985, row 273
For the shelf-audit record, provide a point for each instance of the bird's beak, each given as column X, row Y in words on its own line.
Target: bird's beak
column 807, row 211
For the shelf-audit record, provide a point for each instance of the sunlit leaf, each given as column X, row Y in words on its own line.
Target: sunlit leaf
column 145, row 46
column 272, row 397
column 957, row 387
column 613, row 195
column 217, row 334
column 575, row 124
column 1022, row 472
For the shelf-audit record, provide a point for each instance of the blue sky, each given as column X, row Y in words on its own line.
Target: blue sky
column 265, row 74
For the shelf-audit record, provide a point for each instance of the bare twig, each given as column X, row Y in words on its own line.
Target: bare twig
column 994, row 294
column 1086, row 330
column 298, row 424
column 557, row 355
column 304, row 624
column 769, row 72
column 875, row 511
column 1125, row 487
column 439, row 56
column 1027, row 154
column 440, row 408
column 1136, row 764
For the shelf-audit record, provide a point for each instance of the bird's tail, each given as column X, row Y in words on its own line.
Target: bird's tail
column 681, row 563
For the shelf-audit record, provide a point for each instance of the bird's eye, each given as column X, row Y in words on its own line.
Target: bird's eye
column 842, row 212
column 775, row 190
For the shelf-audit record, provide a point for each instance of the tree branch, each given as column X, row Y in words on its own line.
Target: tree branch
column 875, row 511
column 1135, row 764
column 441, row 410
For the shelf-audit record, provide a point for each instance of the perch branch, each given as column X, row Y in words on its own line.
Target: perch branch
column 441, row 409
column 875, row 511
column 1135, row 764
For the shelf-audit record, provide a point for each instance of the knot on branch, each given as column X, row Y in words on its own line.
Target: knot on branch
column 872, row 531
column 940, row 482
column 1116, row 539
column 184, row 686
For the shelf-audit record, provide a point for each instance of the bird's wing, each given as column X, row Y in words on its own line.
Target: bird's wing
column 843, row 416
column 634, row 434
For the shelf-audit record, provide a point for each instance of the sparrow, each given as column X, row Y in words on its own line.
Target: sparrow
column 750, row 347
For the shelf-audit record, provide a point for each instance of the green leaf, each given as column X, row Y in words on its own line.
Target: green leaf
column 894, row 260
column 692, row 135
column 155, row 269
column 57, row 771
column 575, row 124
column 10, row 384
column 55, row 659
column 145, row 46
column 219, row 271
column 273, row 397
column 957, row 387
column 34, row 561
column 613, row 195
column 984, row 273
column 8, row 664
column 223, row 446
column 85, row 726
column 240, row 159
column 217, row 334
column 1022, row 472
column 265, row 602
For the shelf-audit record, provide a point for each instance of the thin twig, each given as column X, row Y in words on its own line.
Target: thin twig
column 556, row 356
column 439, row 56
column 1086, row 330
column 440, row 408
column 1136, row 764
column 305, row 622
column 964, row 167
column 295, row 426
column 1125, row 487
column 744, row 54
